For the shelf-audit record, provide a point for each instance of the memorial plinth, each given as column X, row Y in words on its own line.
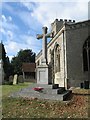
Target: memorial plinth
column 42, row 74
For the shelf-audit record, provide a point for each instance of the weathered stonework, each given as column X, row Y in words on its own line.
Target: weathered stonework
column 42, row 67
column 70, row 37
column 1, row 72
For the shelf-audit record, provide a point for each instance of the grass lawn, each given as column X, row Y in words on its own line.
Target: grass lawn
column 8, row 89
column 77, row 107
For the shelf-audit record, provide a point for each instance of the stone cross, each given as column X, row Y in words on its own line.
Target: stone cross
column 44, row 36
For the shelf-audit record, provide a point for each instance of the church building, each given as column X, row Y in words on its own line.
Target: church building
column 68, row 54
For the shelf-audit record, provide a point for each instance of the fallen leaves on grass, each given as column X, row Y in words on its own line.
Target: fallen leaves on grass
column 76, row 108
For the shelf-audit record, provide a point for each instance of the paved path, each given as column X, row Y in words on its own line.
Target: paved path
column 47, row 93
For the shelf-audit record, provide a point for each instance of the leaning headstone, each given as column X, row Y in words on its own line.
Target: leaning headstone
column 11, row 80
column 15, row 79
column 20, row 79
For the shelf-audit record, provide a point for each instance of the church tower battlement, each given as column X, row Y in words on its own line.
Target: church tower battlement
column 58, row 24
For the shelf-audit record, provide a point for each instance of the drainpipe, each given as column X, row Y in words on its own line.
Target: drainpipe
column 64, row 56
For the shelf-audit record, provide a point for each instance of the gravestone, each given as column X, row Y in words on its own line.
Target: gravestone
column 11, row 79
column 15, row 79
column 20, row 79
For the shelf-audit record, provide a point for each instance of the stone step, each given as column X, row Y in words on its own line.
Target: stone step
column 61, row 90
column 61, row 97
column 67, row 94
column 41, row 85
column 47, row 89
column 50, row 91
column 44, row 85
column 46, row 93
column 55, row 86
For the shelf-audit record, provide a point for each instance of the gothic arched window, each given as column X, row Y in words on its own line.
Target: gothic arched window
column 57, row 57
column 86, row 55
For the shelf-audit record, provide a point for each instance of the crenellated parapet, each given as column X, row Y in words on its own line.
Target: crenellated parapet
column 58, row 24
column 78, row 25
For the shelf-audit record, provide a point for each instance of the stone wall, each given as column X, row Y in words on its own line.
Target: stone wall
column 59, row 76
column 76, row 36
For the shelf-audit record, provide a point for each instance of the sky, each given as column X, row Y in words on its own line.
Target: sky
column 21, row 21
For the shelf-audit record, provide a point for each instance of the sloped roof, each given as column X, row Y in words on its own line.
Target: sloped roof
column 28, row 67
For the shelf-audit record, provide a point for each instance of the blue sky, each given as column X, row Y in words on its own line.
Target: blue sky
column 21, row 21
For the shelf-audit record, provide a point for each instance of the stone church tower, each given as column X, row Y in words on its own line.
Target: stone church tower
column 68, row 53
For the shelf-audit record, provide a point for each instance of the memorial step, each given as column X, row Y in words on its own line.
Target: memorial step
column 61, row 97
column 61, row 90
column 55, row 86
column 50, row 91
column 46, row 93
column 67, row 94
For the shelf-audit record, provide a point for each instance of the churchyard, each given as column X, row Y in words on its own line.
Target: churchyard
column 59, row 92
column 76, row 106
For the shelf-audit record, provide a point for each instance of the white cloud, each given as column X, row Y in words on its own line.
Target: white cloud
column 7, row 28
column 10, row 34
column 28, row 42
column 2, row 31
column 7, row 23
column 10, row 18
column 47, row 12
column 30, row 22
column 28, row 5
column 3, row 18
column 45, row 1
column 10, row 45
column 31, row 42
column 13, row 40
